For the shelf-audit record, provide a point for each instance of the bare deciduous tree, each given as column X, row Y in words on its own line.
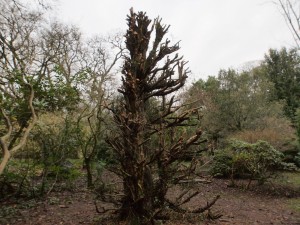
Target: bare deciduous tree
column 291, row 13
column 63, row 45
column 100, row 58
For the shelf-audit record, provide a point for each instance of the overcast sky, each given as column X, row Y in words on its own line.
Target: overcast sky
column 214, row 34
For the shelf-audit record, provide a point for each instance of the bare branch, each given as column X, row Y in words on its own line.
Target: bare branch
column 292, row 18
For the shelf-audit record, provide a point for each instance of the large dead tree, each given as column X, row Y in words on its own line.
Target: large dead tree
column 149, row 149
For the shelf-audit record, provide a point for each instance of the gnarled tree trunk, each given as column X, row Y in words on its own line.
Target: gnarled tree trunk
column 147, row 170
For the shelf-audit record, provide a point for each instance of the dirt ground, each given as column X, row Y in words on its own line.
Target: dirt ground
column 259, row 205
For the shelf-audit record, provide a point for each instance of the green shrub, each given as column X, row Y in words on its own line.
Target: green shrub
column 241, row 159
column 222, row 164
column 15, row 180
column 289, row 167
column 290, row 155
column 63, row 173
column 105, row 153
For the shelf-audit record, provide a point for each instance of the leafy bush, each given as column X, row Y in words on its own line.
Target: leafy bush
column 15, row 180
column 51, row 145
column 53, row 139
column 291, row 155
column 63, row 172
column 105, row 153
column 289, row 167
column 242, row 159
column 222, row 164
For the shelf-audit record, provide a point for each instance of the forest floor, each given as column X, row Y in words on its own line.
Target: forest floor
column 276, row 203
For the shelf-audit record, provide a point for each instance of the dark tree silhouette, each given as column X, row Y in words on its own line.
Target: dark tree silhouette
column 149, row 150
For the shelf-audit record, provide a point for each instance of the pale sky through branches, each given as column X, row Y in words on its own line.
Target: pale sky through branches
column 214, row 34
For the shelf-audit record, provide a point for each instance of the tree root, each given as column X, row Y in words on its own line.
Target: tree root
column 177, row 208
